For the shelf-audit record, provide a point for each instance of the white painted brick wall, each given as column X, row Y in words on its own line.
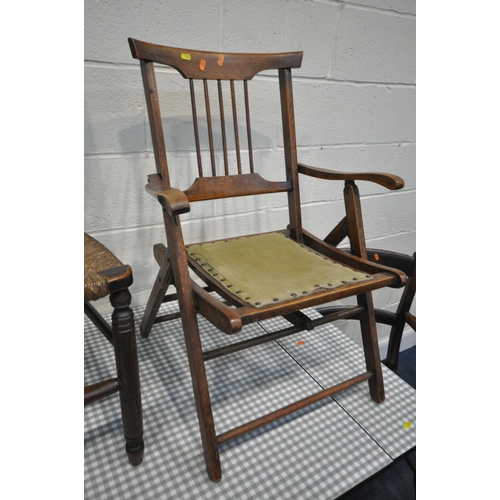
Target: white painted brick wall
column 355, row 111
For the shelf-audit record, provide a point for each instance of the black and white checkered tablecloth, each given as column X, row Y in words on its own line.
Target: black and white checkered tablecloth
column 317, row 453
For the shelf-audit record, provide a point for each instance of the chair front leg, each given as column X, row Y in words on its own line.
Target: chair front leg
column 182, row 279
column 122, row 324
column 354, row 220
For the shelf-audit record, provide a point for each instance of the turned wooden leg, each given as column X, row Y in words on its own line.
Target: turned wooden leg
column 122, row 324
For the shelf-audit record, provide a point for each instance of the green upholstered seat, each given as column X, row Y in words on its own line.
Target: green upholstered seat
column 267, row 268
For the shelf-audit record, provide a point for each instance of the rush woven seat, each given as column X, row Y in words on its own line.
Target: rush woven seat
column 105, row 275
column 251, row 277
column 97, row 261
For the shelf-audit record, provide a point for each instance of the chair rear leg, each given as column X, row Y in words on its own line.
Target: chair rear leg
column 160, row 287
column 371, row 348
column 122, row 324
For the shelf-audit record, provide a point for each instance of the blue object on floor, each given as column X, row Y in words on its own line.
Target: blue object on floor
column 407, row 366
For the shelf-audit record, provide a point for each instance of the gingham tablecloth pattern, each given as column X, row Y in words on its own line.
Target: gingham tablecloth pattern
column 318, row 453
column 329, row 356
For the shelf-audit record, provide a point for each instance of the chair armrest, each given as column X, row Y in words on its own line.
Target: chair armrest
column 389, row 181
column 173, row 200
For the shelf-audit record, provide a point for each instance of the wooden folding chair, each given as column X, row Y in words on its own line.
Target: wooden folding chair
column 259, row 276
column 106, row 276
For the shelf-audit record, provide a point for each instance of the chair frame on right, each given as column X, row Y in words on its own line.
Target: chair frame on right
column 402, row 317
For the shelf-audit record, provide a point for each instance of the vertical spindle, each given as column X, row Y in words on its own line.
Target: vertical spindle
column 209, row 125
column 249, row 130
column 223, row 128
column 235, row 121
column 195, row 125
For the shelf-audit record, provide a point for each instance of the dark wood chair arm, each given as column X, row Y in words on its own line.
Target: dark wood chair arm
column 389, row 181
column 173, row 200
column 118, row 278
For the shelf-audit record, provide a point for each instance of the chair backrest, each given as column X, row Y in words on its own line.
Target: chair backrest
column 227, row 71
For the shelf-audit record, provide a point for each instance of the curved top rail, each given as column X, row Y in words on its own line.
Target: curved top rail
column 200, row 64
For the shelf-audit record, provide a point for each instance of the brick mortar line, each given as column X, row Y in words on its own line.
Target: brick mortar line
column 149, row 153
column 370, row 8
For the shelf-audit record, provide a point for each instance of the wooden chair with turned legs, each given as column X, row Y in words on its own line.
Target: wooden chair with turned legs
column 106, row 276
